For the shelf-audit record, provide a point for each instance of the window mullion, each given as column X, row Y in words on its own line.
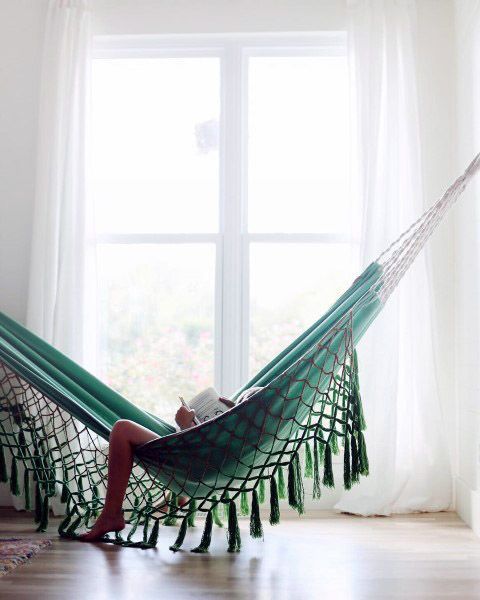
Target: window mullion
column 231, row 217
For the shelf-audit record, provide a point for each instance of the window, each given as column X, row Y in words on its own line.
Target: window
column 222, row 213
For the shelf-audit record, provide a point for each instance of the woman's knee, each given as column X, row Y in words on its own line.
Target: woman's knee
column 122, row 427
column 131, row 432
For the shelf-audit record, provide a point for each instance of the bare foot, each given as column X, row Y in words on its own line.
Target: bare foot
column 103, row 525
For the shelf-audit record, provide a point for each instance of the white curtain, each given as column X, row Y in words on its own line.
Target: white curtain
column 406, row 435
column 58, row 259
column 56, row 291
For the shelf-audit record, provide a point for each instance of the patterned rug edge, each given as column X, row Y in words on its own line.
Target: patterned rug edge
column 18, row 551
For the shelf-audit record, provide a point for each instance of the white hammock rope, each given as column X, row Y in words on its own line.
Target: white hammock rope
column 398, row 257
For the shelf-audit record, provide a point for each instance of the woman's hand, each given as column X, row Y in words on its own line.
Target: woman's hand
column 184, row 417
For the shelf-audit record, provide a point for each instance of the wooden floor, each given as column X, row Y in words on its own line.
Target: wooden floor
column 329, row 556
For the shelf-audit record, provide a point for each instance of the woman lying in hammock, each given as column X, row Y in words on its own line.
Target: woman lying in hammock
column 125, row 437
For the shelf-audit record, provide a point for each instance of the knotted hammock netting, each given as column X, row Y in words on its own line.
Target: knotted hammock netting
column 55, row 420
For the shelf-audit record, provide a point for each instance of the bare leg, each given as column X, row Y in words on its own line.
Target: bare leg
column 124, row 438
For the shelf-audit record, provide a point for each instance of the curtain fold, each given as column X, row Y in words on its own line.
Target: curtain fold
column 55, row 306
column 56, row 287
column 406, row 436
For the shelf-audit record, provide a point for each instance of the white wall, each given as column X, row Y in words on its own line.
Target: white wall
column 21, row 31
column 134, row 17
column 21, row 24
column 21, row 36
column 467, row 280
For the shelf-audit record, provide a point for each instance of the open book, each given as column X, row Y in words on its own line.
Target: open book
column 209, row 404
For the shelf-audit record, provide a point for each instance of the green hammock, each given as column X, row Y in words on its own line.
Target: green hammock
column 55, row 418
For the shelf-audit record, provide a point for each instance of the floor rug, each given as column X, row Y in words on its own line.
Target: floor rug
column 15, row 551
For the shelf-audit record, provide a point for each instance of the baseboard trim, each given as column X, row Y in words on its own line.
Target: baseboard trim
column 467, row 504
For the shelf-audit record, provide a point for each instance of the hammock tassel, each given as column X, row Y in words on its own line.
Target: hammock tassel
column 347, row 474
column 119, row 541
column 170, row 519
column 355, row 459
column 356, row 393
column 234, row 540
column 296, row 492
column 72, row 529
column 362, row 451
column 95, row 501
column 146, row 524
column 308, row 461
column 215, row 513
column 87, row 516
column 63, row 525
column 42, row 526
column 226, row 505
column 37, row 464
column 317, row 491
column 26, row 489
column 274, row 505
column 244, row 508
column 261, row 491
column 206, row 535
column 3, row 466
column 132, row 531
column 193, row 510
column 38, row 503
column 22, row 443
column 81, row 495
column 256, row 529
column 175, row 547
column 328, row 480
column 65, row 492
column 321, row 447
column 282, row 491
column 153, row 539
column 14, row 487
column 334, row 444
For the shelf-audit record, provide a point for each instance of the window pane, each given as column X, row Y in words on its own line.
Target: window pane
column 156, row 321
column 291, row 286
column 155, row 144
column 298, row 144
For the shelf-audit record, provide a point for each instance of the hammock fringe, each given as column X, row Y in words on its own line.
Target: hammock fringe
column 234, row 539
column 244, row 508
column 332, row 411
column 215, row 512
column 206, row 536
column 274, row 505
column 170, row 520
column 261, row 491
column 3, row 466
column 26, row 489
column 328, row 480
column 175, row 547
column 355, row 464
column 256, row 529
column 193, row 511
column 282, row 491
column 308, row 473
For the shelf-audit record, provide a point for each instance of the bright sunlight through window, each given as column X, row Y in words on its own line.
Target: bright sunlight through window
column 222, row 214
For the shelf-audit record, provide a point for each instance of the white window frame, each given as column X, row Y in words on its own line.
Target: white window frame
column 232, row 241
